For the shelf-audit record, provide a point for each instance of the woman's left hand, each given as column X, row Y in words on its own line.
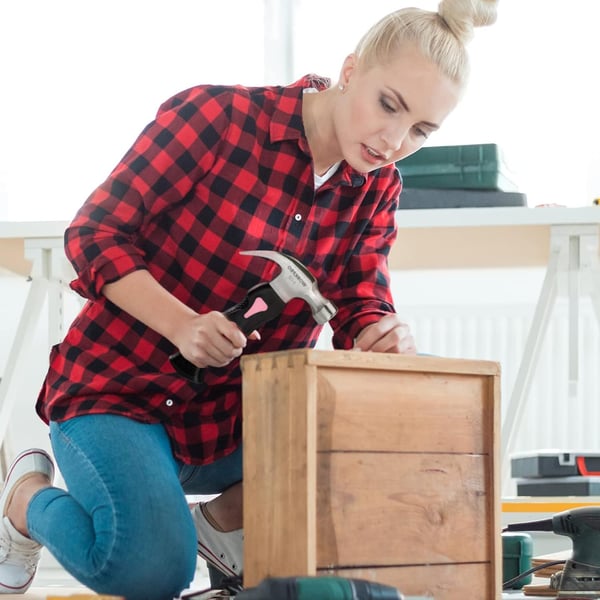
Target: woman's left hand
column 389, row 334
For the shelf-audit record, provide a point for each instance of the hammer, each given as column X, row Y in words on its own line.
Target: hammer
column 266, row 301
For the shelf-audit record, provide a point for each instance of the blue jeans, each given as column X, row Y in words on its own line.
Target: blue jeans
column 124, row 527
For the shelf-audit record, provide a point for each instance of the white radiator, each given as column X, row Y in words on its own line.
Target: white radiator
column 550, row 418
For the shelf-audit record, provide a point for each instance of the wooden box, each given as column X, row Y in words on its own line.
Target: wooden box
column 375, row 466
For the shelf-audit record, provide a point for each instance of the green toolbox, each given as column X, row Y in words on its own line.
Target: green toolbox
column 467, row 167
column 517, row 551
column 424, row 198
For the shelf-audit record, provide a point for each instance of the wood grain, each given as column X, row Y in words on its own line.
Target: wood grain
column 397, row 509
column 447, row 582
column 280, row 467
column 422, row 412
column 356, row 462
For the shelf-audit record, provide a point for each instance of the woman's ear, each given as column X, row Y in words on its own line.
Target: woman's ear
column 348, row 67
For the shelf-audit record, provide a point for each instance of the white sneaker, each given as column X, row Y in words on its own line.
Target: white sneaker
column 223, row 550
column 19, row 555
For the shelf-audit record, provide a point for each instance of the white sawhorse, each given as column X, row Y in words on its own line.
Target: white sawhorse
column 48, row 281
column 572, row 267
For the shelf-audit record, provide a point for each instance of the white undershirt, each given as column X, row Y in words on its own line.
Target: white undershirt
column 321, row 179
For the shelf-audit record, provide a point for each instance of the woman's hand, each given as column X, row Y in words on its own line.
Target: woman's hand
column 210, row 340
column 389, row 334
column 206, row 340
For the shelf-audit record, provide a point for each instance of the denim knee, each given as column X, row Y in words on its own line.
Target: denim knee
column 151, row 556
column 159, row 572
column 124, row 526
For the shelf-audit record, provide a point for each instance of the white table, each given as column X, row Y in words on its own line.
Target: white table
column 565, row 240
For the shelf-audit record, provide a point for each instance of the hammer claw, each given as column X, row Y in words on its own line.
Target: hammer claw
column 296, row 281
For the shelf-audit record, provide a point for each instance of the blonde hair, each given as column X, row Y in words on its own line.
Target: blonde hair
column 440, row 36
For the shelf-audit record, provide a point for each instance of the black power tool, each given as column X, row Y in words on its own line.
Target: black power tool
column 580, row 577
column 306, row 588
column 319, row 588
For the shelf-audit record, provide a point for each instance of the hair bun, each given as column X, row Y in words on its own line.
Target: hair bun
column 462, row 16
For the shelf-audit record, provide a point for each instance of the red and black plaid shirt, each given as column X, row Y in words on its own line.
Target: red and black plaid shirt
column 220, row 169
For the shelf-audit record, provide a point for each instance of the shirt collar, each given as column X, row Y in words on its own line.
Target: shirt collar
column 286, row 122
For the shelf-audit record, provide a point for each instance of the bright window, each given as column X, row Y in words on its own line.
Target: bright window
column 80, row 79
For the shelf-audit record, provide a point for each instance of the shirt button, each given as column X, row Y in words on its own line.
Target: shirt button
column 298, row 217
column 169, row 402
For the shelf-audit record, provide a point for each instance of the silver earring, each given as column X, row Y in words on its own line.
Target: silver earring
column 341, row 87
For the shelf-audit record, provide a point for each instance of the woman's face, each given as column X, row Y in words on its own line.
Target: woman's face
column 386, row 112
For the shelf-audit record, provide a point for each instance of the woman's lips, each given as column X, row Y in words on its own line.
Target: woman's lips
column 371, row 156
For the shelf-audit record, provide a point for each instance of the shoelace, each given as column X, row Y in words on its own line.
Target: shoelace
column 30, row 557
column 20, row 554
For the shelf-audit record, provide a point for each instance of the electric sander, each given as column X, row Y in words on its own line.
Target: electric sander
column 580, row 577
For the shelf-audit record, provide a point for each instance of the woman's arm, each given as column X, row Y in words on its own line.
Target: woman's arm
column 205, row 340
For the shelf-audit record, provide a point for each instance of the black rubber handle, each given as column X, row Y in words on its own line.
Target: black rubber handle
column 260, row 305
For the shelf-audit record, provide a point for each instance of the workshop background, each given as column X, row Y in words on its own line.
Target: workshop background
column 81, row 79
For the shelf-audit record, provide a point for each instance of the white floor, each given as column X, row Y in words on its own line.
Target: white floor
column 51, row 575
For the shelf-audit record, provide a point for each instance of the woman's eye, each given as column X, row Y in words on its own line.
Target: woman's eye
column 386, row 105
column 421, row 132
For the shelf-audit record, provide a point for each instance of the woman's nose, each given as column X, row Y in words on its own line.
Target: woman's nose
column 394, row 137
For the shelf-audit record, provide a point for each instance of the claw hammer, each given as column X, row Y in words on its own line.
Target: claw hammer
column 266, row 301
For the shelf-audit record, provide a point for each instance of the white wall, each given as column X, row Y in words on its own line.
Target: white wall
column 80, row 80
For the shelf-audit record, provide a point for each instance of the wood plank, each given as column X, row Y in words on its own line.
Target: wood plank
column 442, row 582
column 12, row 257
column 444, row 499
column 398, row 509
column 471, row 247
column 422, row 412
column 493, row 525
column 279, row 468
column 376, row 361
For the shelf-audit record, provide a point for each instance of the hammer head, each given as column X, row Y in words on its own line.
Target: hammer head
column 295, row 281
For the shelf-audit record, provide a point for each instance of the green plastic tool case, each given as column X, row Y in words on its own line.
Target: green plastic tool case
column 517, row 552
column 466, row 167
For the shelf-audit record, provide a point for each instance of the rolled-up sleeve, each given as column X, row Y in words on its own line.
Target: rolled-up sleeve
column 171, row 154
column 365, row 294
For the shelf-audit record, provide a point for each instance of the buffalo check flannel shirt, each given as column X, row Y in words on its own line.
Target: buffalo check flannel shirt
column 219, row 170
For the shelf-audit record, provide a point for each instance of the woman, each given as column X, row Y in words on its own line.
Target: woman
column 307, row 169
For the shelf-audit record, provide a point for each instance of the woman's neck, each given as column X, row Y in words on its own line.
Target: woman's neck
column 317, row 115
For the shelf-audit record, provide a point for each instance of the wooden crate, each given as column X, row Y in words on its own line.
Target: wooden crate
column 377, row 466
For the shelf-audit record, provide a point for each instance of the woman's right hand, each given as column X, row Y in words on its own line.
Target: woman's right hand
column 206, row 340
column 210, row 340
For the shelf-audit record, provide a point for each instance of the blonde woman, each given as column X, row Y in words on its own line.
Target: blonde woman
column 307, row 169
